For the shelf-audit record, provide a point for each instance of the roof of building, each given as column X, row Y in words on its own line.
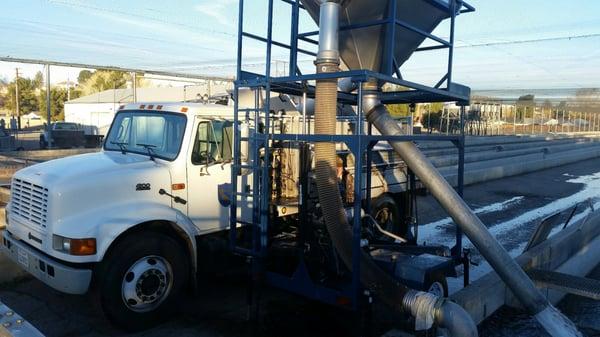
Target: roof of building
column 161, row 94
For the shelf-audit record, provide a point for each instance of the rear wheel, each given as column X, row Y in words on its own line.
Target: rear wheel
column 385, row 211
column 141, row 280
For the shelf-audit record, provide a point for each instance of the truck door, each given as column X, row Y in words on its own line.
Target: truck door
column 209, row 165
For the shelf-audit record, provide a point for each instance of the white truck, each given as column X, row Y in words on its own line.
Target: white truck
column 128, row 220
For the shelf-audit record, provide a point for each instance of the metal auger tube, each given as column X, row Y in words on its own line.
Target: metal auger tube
column 426, row 308
column 510, row 272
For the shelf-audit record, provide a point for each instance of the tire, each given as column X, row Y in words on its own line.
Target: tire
column 436, row 284
column 141, row 280
column 385, row 211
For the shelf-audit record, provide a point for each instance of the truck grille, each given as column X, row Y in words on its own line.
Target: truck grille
column 29, row 201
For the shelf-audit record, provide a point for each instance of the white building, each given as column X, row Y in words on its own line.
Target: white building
column 96, row 112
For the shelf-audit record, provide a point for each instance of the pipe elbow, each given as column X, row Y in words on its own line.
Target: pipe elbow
column 455, row 319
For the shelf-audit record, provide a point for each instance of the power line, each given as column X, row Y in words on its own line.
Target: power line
column 548, row 39
column 130, row 14
column 102, row 67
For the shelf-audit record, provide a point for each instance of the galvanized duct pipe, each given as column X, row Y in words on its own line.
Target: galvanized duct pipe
column 426, row 308
column 510, row 272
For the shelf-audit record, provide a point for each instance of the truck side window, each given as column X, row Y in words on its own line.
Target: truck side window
column 205, row 145
column 213, row 142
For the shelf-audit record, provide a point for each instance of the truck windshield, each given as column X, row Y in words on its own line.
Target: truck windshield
column 136, row 131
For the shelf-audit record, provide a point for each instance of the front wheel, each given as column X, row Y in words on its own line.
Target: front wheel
column 141, row 280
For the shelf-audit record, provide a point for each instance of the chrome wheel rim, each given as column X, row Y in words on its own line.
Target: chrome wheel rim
column 385, row 219
column 147, row 283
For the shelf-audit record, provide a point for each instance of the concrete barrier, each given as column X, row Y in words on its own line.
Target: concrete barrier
column 572, row 251
column 506, row 167
column 550, row 147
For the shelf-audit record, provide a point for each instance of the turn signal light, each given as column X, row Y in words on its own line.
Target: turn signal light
column 74, row 246
column 179, row 186
column 83, row 246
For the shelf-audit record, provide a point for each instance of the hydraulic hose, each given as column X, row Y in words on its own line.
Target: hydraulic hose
column 510, row 272
column 425, row 307
column 330, row 200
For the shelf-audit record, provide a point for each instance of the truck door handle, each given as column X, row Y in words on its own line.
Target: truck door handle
column 175, row 198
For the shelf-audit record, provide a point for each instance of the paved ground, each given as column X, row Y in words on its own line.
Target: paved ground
column 220, row 309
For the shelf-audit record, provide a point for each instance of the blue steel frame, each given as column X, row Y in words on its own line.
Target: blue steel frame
column 295, row 83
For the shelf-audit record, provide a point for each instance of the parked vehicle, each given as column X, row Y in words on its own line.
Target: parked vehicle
column 134, row 220
column 68, row 135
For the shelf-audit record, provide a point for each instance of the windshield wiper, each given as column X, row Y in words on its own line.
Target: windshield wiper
column 150, row 149
column 121, row 145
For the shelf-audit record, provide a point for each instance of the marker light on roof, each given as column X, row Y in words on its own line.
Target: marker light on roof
column 150, row 106
column 121, row 107
column 158, row 107
column 184, row 109
column 142, row 106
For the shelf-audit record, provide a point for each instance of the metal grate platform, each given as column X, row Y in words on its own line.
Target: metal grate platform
column 576, row 285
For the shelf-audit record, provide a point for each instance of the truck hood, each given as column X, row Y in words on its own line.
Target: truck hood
column 87, row 183
column 85, row 166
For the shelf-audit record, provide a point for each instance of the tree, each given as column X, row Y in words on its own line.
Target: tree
column 547, row 108
column 3, row 85
column 399, row 110
column 104, row 80
column 58, row 97
column 38, row 80
column 84, row 75
column 524, row 104
column 27, row 97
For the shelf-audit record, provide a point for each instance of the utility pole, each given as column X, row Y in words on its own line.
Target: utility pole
column 48, row 110
column 17, row 107
column 134, row 86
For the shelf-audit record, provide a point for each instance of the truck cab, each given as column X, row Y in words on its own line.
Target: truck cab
column 126, row 218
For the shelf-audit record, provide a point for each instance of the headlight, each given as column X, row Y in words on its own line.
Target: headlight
column 74, row 246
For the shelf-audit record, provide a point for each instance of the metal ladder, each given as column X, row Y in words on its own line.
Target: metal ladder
column 257, row 120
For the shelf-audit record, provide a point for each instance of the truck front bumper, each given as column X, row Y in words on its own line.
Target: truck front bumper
column 48, row 270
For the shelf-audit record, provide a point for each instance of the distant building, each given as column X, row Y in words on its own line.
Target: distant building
column 96, row 112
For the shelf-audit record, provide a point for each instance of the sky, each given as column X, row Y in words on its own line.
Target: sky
column 495, row 46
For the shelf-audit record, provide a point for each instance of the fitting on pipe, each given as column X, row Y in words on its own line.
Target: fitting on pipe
column 329, row 20
column 370, row 99
column 422, row 306
column 428, row 309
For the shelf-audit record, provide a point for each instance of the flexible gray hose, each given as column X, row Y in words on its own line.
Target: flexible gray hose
column 388, row 289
